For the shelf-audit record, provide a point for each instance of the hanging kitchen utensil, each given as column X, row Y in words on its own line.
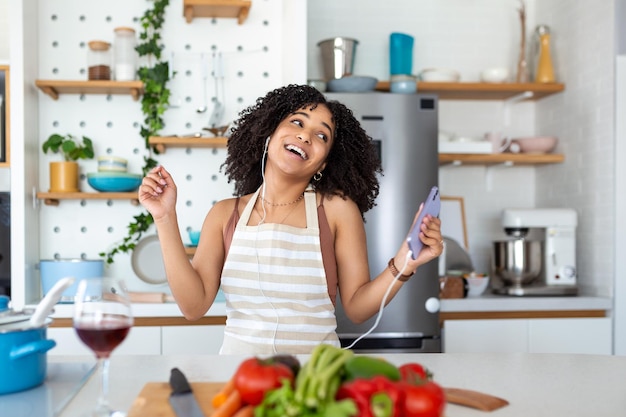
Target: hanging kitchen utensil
column 204, row 107
column 218, row 77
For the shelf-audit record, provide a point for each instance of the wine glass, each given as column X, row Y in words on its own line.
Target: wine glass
column 102, row 320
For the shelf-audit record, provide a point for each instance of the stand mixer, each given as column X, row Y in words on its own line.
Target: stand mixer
column 540, row 256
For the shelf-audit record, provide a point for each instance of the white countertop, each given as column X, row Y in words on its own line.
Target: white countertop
column 511, row 303
column 535, row 385
column 483, row 303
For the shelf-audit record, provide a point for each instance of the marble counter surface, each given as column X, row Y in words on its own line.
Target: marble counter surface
column 535, row 385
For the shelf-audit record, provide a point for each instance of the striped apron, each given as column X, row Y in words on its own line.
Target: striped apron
column 275, row 287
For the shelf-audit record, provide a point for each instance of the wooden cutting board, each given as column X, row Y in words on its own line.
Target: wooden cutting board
column 153, row 400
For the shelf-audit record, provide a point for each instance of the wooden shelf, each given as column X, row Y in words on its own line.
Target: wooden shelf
column 54, row 88
column 163, row 142
column 500, row 158
column 52, row 199
column 482, row 91
column 190, row 250
column 238, row 9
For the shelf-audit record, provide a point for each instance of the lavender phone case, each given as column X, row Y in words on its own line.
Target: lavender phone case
column 432, row 205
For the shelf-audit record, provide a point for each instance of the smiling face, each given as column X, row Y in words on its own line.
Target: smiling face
column 301, row 142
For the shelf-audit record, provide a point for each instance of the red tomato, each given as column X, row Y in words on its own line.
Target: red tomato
column 414, row 373
column 255, row 377
column 423, row 400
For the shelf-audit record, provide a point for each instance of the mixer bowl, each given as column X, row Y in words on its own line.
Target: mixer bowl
column 517, row 262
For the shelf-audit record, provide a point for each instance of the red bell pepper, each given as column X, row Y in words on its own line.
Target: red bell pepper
column 374, row 397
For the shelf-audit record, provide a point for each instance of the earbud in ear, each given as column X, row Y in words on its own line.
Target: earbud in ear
column 267, row 141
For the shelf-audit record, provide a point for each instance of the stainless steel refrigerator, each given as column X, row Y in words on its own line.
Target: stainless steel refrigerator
column 404, row 128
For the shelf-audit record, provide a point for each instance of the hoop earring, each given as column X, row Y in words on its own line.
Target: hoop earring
column 317, row 176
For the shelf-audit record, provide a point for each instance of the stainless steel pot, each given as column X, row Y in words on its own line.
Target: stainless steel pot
column 517, row 262
column 338, row 57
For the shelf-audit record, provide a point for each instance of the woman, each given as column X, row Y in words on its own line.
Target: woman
column 305, row 174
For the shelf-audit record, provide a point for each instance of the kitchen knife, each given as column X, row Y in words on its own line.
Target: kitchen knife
column 181, row 399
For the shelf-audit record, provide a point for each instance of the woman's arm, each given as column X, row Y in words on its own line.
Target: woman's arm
column 360, row 296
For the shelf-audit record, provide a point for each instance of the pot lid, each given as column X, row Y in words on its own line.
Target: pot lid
column 22, row 325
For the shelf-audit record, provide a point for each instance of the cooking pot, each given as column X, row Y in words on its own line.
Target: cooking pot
column 52, row 270
column 338, row 57
column 23, row 343
column 517, row 262
column 23, row 359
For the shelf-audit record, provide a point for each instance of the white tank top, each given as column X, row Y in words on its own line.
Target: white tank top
column 275, row 287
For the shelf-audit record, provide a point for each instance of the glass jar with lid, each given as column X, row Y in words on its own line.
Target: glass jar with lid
column 125, row 55
column 99, row 60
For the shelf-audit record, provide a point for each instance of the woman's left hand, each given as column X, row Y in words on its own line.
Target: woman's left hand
column 430, row 236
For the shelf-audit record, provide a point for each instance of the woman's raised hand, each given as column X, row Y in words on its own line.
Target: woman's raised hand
column 157, row 192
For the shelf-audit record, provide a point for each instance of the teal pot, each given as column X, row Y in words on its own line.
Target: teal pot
column 52, row 270
column 23, row 358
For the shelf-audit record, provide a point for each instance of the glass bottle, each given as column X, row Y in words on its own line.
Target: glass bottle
column 544, row 72
column 125, row 54
column 99, row 60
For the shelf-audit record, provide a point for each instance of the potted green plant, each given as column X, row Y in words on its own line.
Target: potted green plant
column 64, row 174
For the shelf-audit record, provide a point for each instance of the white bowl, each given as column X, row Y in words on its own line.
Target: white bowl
column 495, row 75
column 476, row 285
column 536, row 144
column 112, row 164
column 439, row 75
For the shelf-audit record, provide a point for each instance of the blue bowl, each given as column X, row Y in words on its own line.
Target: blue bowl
column 113, row 181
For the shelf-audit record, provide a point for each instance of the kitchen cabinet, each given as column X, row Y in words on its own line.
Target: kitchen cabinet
column 192, row 340
column 149, row 336
column 589, row 335
column 54, row 88
column 140, row 341
column 217, row 8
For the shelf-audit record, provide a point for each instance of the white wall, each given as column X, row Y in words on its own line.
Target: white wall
column 470, row 36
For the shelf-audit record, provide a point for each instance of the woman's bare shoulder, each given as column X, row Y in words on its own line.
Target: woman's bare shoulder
column 224, row 208
column 340, row 208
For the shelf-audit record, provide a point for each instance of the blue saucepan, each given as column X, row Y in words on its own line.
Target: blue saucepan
column 23, row 360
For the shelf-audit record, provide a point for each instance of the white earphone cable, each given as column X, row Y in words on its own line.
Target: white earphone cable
column 382, row 302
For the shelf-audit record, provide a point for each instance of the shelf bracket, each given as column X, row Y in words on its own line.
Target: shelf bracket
column 489, row 173
column 512, row 100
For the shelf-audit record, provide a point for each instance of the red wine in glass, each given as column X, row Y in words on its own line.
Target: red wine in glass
column 102, row 320
column 103, row 337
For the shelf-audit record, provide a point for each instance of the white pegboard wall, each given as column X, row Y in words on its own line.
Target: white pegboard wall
column 253, row 58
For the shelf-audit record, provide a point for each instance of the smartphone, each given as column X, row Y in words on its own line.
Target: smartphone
column 432, row 205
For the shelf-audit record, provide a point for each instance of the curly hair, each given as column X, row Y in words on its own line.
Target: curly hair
column 352, row 163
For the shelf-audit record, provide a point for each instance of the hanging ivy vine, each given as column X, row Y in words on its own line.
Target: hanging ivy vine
column 155, row 100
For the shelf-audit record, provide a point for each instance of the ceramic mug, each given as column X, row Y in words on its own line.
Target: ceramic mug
column 500, row 144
